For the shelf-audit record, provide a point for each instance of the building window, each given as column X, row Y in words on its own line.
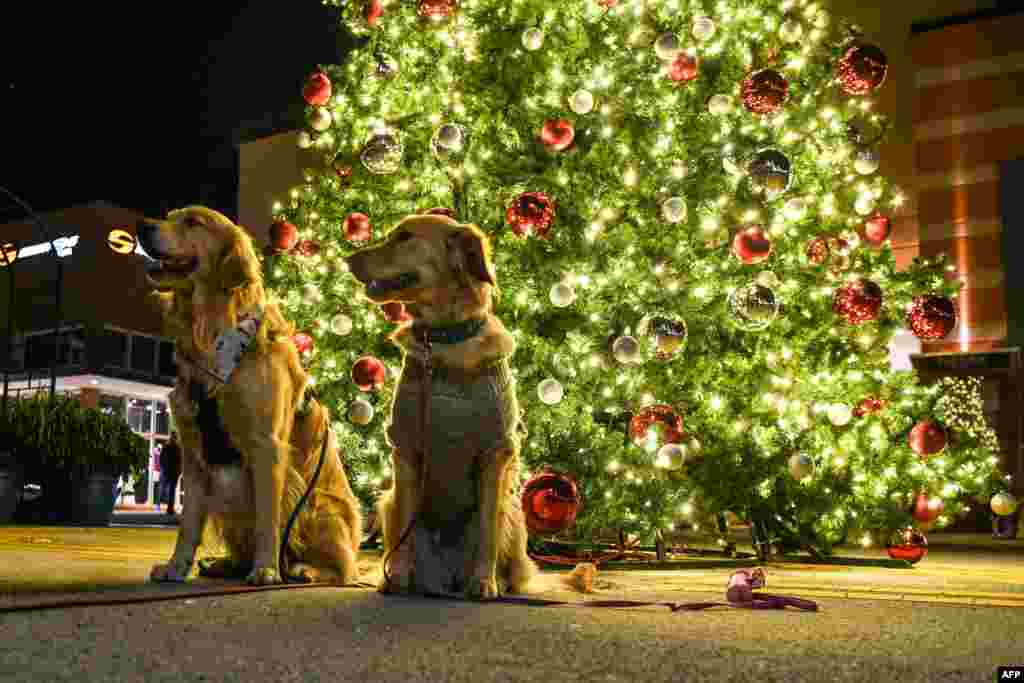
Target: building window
column 140, row 415
column 143, row 354
column 163, row 418
column 167, row 367
column 115, row 348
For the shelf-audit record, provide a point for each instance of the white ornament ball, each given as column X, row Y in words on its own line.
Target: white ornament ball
column 864, row 205
column 795, row 208
column 304, row 140
column 673, row 210
column 582, row 102
column 320, row 119
column 667, row 46
column 703, row 28
column 791, row 31
column 679, row 169
column 801, row 466
column 360, row 412
column 562, row 294
column 671, row 456
column 626, row 350
column 719, row 104
column 311, row 294
column 1003, row 504
column 550, row 392
column 341, row 325
column 767, row 278
column 866, row 161
column 840, row 414
column 533, row 38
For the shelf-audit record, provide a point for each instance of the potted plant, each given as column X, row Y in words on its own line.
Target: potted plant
column 77, row 454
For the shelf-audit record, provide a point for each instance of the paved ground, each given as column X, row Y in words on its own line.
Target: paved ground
column 954, row 617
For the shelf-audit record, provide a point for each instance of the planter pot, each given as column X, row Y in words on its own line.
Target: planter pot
column 12, row 479
column 92, row 498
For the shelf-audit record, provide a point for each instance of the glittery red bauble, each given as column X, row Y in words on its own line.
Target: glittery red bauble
column 372, row 11
column 931, row 317
column 283, row 236
column 663, row 419
column 317, row 89
column 436, row 10
column 303, row 342
column 764, row 91
column 817, row 251
column 395, row 312
column 531, row 213
column 908, row 544
column 441, row 211
column 751, row 245
column 683, row 68
column 551, row 502
column 368, row 373
column 927, row 509
column 868, row 406
column 876, row 229
column 608, row 4
column 858, row 302
column 862, row 69
column 927, row 438
column 307, row 248
column 357, row 227
column 557, row 134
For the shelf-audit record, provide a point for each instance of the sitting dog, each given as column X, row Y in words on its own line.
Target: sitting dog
column 251, row 438
column 454, row 486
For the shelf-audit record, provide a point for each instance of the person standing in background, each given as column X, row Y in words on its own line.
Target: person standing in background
column 170, row 470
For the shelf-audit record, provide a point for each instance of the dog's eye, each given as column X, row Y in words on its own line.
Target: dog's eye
column 403, row 236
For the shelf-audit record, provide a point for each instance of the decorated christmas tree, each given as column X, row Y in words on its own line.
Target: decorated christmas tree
column 692, row 248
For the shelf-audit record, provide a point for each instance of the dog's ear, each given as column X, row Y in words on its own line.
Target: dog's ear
column 234, row 269
column 468, row 254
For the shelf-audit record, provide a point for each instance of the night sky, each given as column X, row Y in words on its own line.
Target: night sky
column 144, row 105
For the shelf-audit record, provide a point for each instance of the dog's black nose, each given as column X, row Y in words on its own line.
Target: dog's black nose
column 146, row 233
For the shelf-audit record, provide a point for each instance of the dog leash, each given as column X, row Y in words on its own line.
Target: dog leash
column 424, row 454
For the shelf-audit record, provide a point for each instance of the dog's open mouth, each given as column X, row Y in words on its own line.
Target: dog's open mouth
column 381, row 286
column 172, row 268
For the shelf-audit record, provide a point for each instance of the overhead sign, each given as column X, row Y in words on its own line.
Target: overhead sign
column 121, row 241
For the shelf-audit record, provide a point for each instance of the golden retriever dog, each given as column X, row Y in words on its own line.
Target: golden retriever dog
column 251, row 439
column 468, row 531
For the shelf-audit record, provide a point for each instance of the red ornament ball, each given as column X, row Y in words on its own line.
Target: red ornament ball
column 283, row 236
column 557, row 134
column 307, row 248
column 927, row 438
column 317, row 90
column 357, row 227
column 868, row 406
column 531, row 213
column 931, row 317
column 751, row 245
column 436, row 10
column 303, row 343
column 441, row 211
column 551, row 502
column 395, row 312
column 663, row 419
column 862, row 69
column 683, row 68
column 373, row 10
column 858, row 302
column 764, row 91
column 927, row 509
column 908, row 544
column 368, row 373
column 876, row 230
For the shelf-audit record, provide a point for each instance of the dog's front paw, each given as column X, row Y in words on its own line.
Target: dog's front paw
column 482, row 588
column 172, row 572
column 263, row 576
column 398, row 577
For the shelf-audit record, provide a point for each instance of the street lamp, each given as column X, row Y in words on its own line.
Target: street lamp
column 51, row 238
